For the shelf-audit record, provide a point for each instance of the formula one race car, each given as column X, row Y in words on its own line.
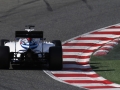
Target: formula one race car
column 30, row 48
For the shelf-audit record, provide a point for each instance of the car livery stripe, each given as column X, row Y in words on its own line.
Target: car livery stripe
column 76, row 55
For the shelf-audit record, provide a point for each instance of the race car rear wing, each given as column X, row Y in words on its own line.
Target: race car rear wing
column 26, row 34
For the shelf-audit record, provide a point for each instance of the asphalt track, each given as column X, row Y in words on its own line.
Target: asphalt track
column 59, row 20
column 76, row 59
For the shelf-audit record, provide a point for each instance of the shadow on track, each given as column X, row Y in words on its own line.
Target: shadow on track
column 28, row 67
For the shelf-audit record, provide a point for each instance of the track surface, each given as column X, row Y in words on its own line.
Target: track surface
column 59, row 20
column 76, row 58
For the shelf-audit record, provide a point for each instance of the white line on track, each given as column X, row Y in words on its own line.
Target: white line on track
column 69, row 59
column 84, row 41
column 77, row 53
column 89, row 84
column 102, row 35
column 106, row 89
column 108, row 30
column 74, row 72
column 75, row 47
column 72, row 53
column 82, row 78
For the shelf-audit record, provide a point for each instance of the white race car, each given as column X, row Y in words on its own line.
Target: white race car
column 30, row 48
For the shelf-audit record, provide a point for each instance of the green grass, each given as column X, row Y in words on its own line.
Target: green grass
column 108, row 66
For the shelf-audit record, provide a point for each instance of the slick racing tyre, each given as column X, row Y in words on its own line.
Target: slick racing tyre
column 57, row 43
column 55, row 58
column 3, row 41
column 4, row 57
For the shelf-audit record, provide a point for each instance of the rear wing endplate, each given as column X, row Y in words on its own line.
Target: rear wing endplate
column 26, row 34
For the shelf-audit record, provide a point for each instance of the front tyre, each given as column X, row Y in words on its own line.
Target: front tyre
column 4, row 57
column 55, row 58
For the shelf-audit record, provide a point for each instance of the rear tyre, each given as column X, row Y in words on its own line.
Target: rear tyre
column 3, row 41
column 4, row 57
column 57, row 43
column 55, row 58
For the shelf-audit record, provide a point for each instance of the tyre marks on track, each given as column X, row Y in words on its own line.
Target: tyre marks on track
column 76, row 55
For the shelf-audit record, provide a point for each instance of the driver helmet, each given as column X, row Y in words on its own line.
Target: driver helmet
column 29, row 43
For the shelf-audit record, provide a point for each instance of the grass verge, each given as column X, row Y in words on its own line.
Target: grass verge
column 108, row 66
